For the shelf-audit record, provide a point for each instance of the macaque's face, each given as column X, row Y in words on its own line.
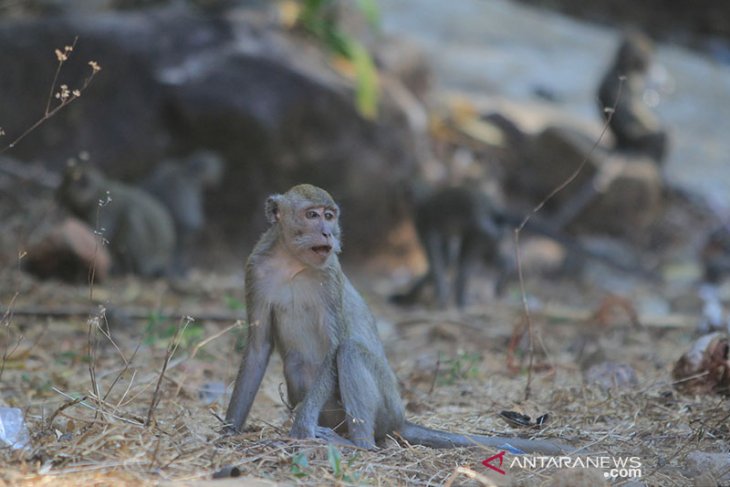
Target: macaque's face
column 315, row 234
column 80, row 188
column 308, row 219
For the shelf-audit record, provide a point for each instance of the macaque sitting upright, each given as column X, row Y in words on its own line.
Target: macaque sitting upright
column 635, row 127
column 139, row 229
column 337, row 374
column 180, row 187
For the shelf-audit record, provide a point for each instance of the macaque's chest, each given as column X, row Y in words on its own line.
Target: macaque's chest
column 301, row 316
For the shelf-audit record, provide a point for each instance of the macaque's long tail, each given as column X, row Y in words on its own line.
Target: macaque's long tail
column 420, row 435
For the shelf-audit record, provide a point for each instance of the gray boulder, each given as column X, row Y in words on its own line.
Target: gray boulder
column 172, row 82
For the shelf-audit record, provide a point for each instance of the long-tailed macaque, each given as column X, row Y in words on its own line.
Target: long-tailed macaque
column 180, row 186
column 139, row 229
column 466, row 216
column 635, row 127
column 715, row 255
column 299, row 300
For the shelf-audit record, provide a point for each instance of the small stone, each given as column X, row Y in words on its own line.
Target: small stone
column 610, row 375
column 69, row 251
column 716, row 464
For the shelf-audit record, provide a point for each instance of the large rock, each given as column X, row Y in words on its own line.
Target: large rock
column 550, row 158
column 70, row 251
column 621, row 194
column 119, row 120
column 172, row 82
column 630, row 202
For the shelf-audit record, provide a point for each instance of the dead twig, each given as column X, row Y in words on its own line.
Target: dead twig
column 5, row 322
column 528, row 217
column 669, row 321
column 215, row 336
column 63, row 407
column 97, row 409
column 513, row 363
column 64, row 95
column 91, row 344
column 171, row 348
column 98, row 241
column 131, row 313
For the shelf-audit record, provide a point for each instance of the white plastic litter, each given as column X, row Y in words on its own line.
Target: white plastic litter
column 13, row 431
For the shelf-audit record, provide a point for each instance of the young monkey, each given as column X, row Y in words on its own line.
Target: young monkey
column 299, row 300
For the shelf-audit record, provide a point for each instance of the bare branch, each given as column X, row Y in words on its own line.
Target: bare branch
column 518, row 256
column 66, row 96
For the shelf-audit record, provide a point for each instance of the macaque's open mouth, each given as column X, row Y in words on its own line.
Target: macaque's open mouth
column 322, row 250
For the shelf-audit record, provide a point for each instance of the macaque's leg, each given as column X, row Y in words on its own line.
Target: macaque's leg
column 437, row 267
column 253, row 365
column 317, row 396
column 506, row 270
column 183, row 252
column 468, row 258
column 360, row 392
column 299, row 378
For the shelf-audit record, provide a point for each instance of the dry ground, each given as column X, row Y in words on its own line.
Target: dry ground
column 87, row 388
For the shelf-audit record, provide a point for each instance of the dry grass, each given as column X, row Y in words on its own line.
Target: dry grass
column 87, row 416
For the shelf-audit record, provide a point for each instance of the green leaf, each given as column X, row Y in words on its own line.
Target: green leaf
column 314, row 18
column 335, row 460
column 366, row 80
column 299, row 465
column 233, row 303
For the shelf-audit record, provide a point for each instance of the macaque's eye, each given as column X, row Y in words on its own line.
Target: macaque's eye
column 311, row 214
column 329, row 215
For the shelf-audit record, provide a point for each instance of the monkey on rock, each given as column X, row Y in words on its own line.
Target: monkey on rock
column 299, row 301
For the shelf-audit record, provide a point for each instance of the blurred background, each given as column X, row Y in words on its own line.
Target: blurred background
column 139, row 140
column 364, row 98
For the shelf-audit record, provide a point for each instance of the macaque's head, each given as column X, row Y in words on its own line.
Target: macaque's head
column 635, row 53
column 207, row 167
column 308, row 220
column 80, row 187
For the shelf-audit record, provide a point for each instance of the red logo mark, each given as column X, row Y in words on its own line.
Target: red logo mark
column 488, row 462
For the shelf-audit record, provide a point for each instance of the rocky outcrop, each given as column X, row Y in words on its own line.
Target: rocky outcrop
column 613, row 193
column 171, row 82
column 70, row 251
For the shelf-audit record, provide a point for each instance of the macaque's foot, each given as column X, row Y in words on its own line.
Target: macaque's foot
column 321, row 433
column 329, row 436
column 302, row 432
column 228, row 430
column 365, row 444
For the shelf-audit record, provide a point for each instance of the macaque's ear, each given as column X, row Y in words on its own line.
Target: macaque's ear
column 272, row 208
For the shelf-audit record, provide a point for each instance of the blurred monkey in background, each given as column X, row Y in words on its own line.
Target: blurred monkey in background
column 635, row 127
column 180, row 187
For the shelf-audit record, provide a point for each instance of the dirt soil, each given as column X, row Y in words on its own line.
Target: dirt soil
column 88, row 387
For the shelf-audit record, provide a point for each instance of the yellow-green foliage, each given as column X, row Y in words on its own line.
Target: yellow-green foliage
column 316, row 18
